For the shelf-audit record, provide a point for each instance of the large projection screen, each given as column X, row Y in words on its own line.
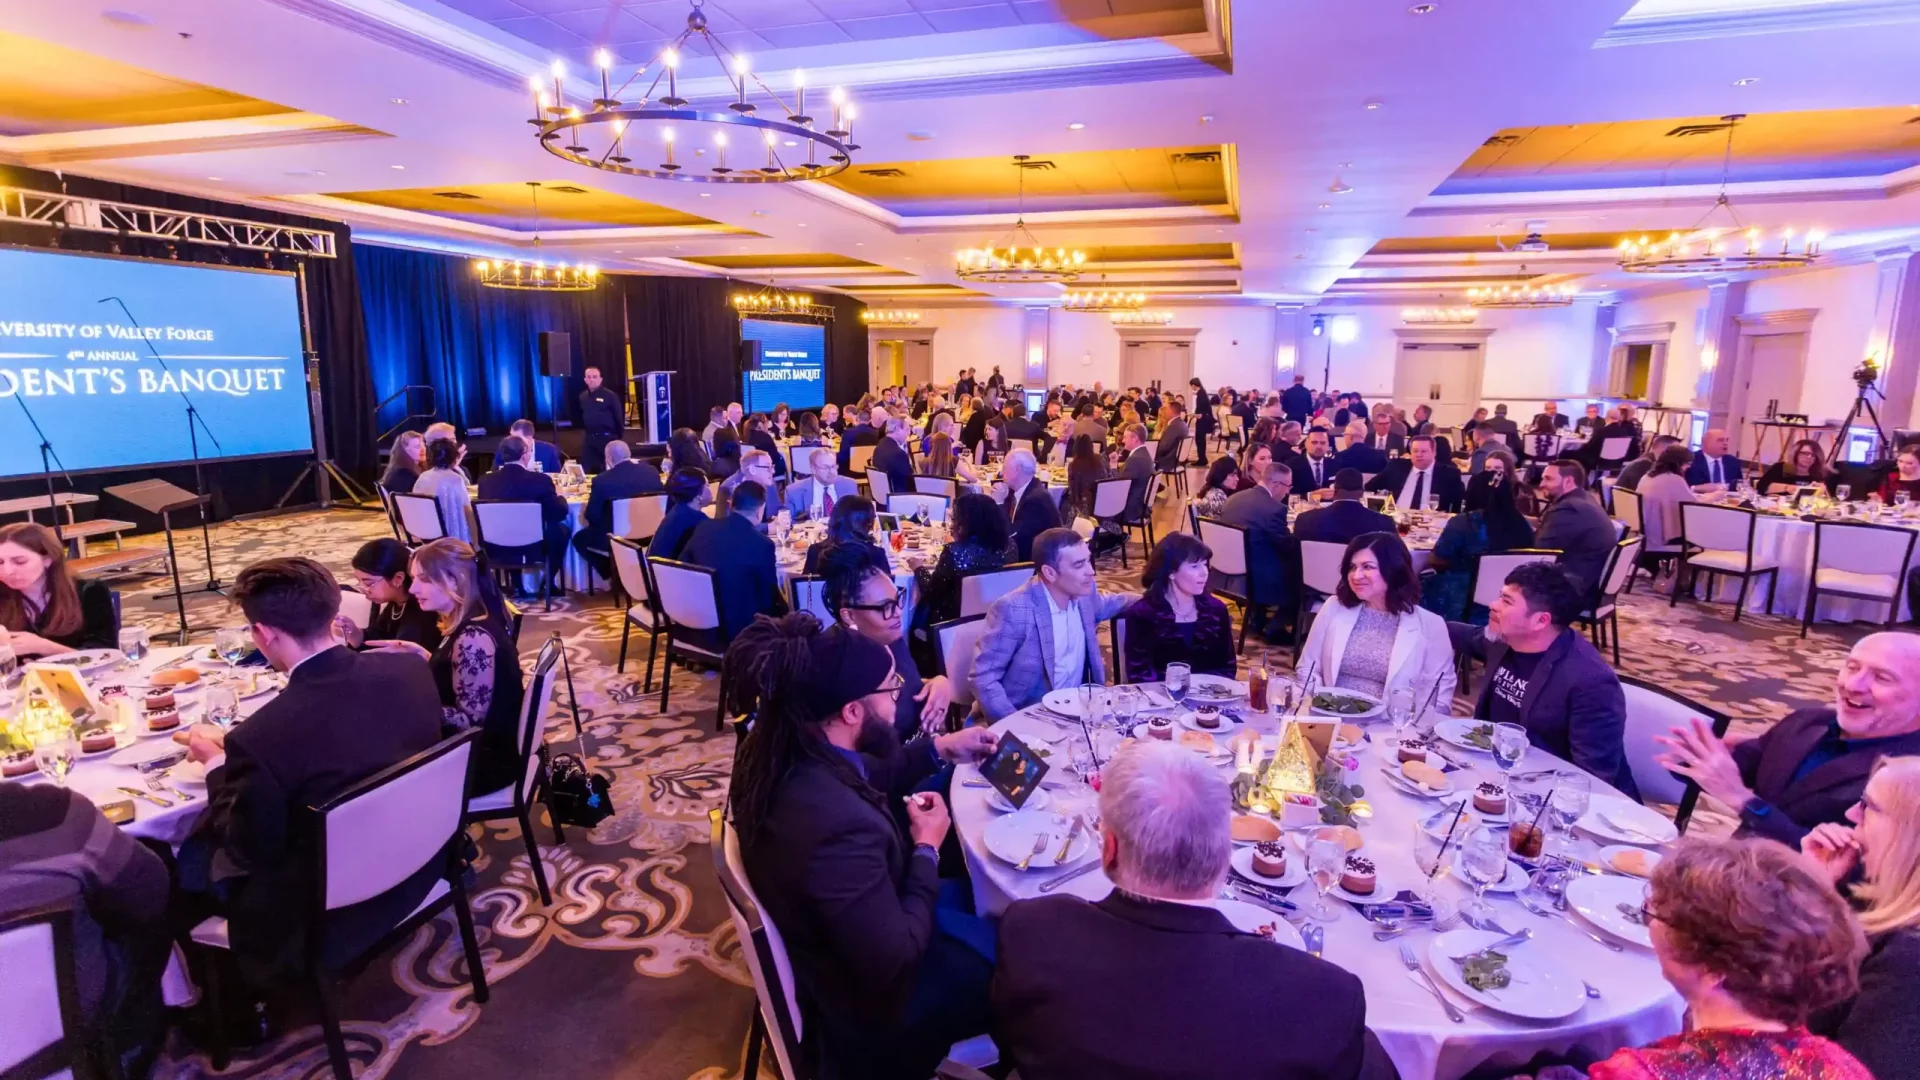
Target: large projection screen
column 110, row 387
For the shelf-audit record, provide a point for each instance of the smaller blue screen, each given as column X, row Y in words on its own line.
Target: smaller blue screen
column 793, row 365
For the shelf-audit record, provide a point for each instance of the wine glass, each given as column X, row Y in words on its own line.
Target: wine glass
column 1509, row 749
column 233, row 643
column 1177, row 677
column 54, row 751
column 1900, row 501
column 1433, row 503
column 1572, row 794
column 1080, row 757
column 1483, row 861
column 1326, row 858
column 1426, row 856
column 1400, row 712
column 133, row 642
column 223, row 708
column 1843, row 492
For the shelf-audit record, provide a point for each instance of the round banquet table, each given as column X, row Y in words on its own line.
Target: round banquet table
column 1788, row 542
column 1636, row 1005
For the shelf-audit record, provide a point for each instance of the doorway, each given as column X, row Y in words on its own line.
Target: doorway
column 1639, row 371
column 1770, row 367
column 1441, row 369
column 1169, row 363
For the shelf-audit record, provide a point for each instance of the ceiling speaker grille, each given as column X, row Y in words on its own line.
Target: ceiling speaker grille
column 1198, row 157
column 1685, row 130
column 1044, row 166
column 884, row 174
column 455, row 195
column 568, row 189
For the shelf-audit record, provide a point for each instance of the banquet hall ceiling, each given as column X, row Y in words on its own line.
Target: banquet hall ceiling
column 1244, row 150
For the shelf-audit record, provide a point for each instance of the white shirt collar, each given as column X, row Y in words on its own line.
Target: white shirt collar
column 1053, row 605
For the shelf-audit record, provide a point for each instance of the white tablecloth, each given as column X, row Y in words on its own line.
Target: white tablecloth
column 1636, row 1005
column 1789, row 542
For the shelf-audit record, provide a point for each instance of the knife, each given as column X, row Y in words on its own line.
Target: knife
column 1073, row 834
column 147, row 795
column 1049, row 886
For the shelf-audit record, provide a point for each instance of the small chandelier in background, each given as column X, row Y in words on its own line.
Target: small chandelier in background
column 535, row 275
column 1018, row 255
column 1415, row 316
column 889, row 317
column 1707, row 248
column 770, row 299
column 1521, row 296
column 1141, row 318
column 1104, row 299
column 654, row 127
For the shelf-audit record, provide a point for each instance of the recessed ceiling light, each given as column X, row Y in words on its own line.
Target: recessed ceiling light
column 396, row 101
column 1326, row 206
column 1423, row 9
column 859, row 245
column 215, row 179
column 1748, row 81
column 396, row 166
column 706, row 194
column 792, row 142
column 1374, row 103
column 802, row 224
column 1076, row 126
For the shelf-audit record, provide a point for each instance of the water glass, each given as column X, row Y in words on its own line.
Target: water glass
column 1177, row 678
column 1426, row 856
column 1900, row 501
column 233, row 643
column 1483, row 860
column 133, row 642
column 1572, row 794
column 55, row 752
column 223, row 708
column 1326, row 858
column 1843, row 492
column 1400, row 706
column 1080, row 757
column 1433, row 504
column 1509, row 748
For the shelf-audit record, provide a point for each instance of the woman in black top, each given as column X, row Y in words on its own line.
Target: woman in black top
column 380, row 569
column 684, row 448
column 781, row 423
column 850, row 523
column 475, row 665
column 405, row 463
column 759, row 438
column 1804, row 464
column 1085, row 469
column 42, row 608
column 808, row 429
column 978, row 538
column 687, row 492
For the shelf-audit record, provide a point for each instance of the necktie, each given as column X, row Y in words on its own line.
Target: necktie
column 1716, row 470
column 1419, row 491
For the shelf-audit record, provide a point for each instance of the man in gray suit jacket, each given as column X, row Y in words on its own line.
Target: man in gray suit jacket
column 1166, row 456
column 1045, row 635
column 812, row 499
column 1138, row 467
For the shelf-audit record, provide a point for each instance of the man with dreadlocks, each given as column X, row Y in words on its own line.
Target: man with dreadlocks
column 891, row 968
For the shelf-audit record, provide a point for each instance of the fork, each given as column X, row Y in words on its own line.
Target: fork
column 1039, row 845
column 1412, row 963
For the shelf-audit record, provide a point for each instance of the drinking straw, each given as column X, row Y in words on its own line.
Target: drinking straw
column 1432, row 697
column 1439, row 859
column 1544, row 803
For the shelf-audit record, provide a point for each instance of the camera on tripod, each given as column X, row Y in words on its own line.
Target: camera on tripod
column 1866, row 374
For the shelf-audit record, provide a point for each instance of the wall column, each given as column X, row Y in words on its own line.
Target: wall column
column 1035, row 346
column 1720, row 344
column 1894, row 339
column 1600, row 364
column 1289, row 328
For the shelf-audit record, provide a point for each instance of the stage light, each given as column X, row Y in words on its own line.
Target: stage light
column 1319, row 325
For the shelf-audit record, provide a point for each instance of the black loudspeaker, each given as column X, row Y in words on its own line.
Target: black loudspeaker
column 750, row 355
column 556, row 353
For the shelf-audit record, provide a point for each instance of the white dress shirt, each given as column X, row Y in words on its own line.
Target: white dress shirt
column 1405, row 499
column 1069, row 644
column 1380, row 441
column 818, row 512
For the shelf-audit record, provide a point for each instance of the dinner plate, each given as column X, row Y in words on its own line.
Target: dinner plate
column 144, row 753
column 1036, row 801
column 1390, row 771
column 1212, row 688
column 1191, row 721
column 1597, row 897
column 85, row 661
column 1454, row 732
column 1064, row 702
column 1031, row 729
column 1242, row 863
column 269, row 683
column 1374, row 705
column 1542, row 988
column 1011, row 836
column 1643, row 827
column 1254, row 919
column 1607, row 853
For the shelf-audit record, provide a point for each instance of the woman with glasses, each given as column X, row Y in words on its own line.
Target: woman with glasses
column 1804, row 464
column 865, row 601
column 1877, row 863
column 1755, row 940
column 380, row 569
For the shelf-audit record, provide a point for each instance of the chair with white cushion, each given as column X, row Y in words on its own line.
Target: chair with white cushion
column 957, row 641
column 639, row 518
column 1319, row 579
column 878, row 487
column 1654, row 710
column 515, row 801
column 912, row 504
column 1491, row 572
column 1626, row 508
column 419, row 516
column 689, row 601
column 776, row 1017
column 1084, row 527
column 937, row 485
column 369, row 839
column 518, row 527
column 980, row 588
column 44, row 1032
column 1861, row 561
column 1110, row 504
column 1228, row 571
column 1020, row 444
column 643, row 608
column 858, row 459
column 1613, row 452
column 808, row 592
column 1603, row 619
column 1718, row 540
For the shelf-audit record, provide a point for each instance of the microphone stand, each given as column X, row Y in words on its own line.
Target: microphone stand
column 195, row 424
column 46, row 469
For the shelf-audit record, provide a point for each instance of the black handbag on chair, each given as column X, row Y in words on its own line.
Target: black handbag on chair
column 576, row 795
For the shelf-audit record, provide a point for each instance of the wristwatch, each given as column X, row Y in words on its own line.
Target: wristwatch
column 1755, row 807
column 928, row 850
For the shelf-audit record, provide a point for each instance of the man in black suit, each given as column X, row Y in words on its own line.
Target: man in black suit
column 1359, row 454
column 687, row 493
column 1411, row 479
column 733, row 544
column 1575, row 524
column 1550, row 412
column 1384, row 438
column 975, row 428
column 1546, row 677
column 1021, row 426
column 859, row 433
column 1343, row 518
column 624, row 478
column 1296, row 402
column 1811, row 767
column 1137, row 466
column 965, row 383
column 889, row 968
column 890, row 456
column 1029, row 504
column 1505, row 425
column 1068, row 967
column 343, row 716
column 1313, row 470
column 1592, row 422
column 514, row 481
column 1260, row 508
column 1422, row 420
column 1166, row 455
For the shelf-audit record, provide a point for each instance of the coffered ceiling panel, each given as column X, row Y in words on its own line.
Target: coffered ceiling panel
column 561, row 204
column 781, row 262
column 45, row 88
column 1080, row 180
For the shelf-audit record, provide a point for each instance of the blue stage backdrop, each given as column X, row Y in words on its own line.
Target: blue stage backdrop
column 226, row 339
column 793, row 365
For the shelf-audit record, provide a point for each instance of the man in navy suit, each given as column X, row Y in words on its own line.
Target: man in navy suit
column 547, row 454
column 1296, row 402
column 733, row 544
column 1359, row 455
column 1344, row 518
column 624, row 478
column 1029, row 504
column 1383, row 438
column 1260, row 509
column 1713, row 469
column 1411, row 480
column 859, row 433
column 890, row 456
column 513, row 480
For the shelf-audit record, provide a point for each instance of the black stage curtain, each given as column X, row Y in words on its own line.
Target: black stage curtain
column 431, row 323
column 686, row 325
column 847, row 373
column 339, row 337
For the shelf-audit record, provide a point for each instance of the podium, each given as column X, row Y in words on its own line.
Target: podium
column 162, row 498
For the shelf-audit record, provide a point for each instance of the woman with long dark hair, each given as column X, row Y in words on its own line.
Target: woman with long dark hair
column 978, row 538
column 1223, row 479
column 1085, row 469
column 1803, row 464
column 381, row 570
column 43, row 608
column 1373, row 636
column 1491, row 524
column 1178, row 620
column 685, row 452
column 852, row 523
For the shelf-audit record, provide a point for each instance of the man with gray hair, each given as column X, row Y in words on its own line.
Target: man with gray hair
column 1067, row 967
column 890, row 456
column 755, row 466
column 812, row 498
column 623, row 478
column 1029, row 504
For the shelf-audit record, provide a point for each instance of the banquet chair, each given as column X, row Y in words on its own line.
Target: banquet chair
column 980, row 588
column 1110, row 504
column 800, row 459
column 518, row 528
column 937, row 485
column 1117, row 645
column 1020, row 444
column 515, row 801
column 690, row 601
column 643, row 608
column 1319, row 579
column 1719, row 540
column 1613, row 452
column 420, row 517
column 1603, row 619
column 1860, row 561
column 957, row 641
column 1492, row 570
column 878, row 487
column 1084, row 527
column 639, row 518
column 858, row 459
column 808, row 592
column 386, row 505
column 1227, row 573
column 776, row 1016
column 355, row 607
column 46, row 1033
column 909, row 504
column 1654, row 710
column 1626, row 509
column 1235, row 428
column 370, row 838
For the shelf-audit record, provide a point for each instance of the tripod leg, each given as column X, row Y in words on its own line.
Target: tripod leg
column 173, row 563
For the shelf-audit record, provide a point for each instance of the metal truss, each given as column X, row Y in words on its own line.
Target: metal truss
column 59, row 211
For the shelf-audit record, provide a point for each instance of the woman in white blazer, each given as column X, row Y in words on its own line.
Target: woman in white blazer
column 1373, row 636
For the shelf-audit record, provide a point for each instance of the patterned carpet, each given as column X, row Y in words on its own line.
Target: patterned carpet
column 635, row 970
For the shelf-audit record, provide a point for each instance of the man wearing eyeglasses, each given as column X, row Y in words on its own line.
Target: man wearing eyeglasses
column 864, row 600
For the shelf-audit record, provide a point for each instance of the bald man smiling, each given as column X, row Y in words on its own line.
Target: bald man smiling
column 1812, row 766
